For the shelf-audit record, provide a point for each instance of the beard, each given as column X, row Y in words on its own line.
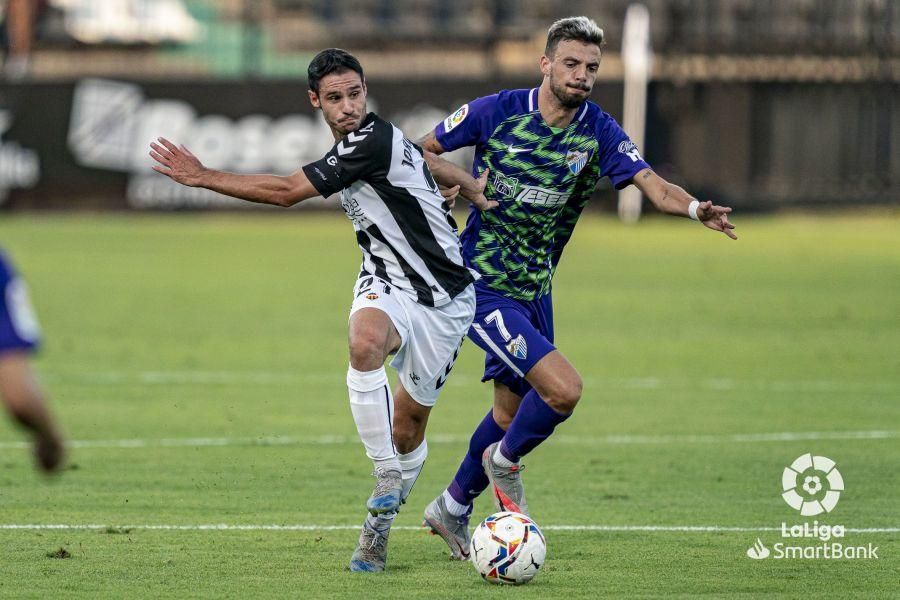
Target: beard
column 566, row 96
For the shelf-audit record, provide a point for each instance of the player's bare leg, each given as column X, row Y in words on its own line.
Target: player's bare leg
column 24, row 399
column 372, row 338
column 556, row 391
column 410, row 420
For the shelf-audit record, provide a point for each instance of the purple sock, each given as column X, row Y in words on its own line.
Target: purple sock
column 533, row 423
column 470, row 479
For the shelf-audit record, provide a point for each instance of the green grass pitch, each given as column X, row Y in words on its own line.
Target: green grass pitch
column 200, row 362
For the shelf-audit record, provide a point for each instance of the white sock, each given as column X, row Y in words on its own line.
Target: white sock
column 372, row 406
column 500, row 460
column 455, row 508
column 382, row 522
column 411, row 465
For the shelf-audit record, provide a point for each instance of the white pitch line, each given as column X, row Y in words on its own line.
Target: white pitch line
column 232, row 527
column 197, row 377
column 575, row 440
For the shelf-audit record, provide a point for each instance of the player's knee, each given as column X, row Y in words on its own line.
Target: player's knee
column 503, row 416
column 366, row 351
column 408, row 434
column 565, row 395
column 21, row 409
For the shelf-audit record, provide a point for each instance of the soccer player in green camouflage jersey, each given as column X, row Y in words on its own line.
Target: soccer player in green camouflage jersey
column 545, row 148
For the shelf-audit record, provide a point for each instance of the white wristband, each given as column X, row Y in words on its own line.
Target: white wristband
column 692, row 209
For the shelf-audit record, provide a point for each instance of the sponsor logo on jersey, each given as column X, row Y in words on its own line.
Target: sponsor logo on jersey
column 518, row 347
column 505, row 186
column 456, row 118
column 513, row 150
column 531, row 194
column 576, row 161
column 629, row 148
column 354, row 211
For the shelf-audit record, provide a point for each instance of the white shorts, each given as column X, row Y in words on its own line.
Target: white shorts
column 430, row 337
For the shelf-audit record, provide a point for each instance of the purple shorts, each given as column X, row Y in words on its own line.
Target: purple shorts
column 515, row 334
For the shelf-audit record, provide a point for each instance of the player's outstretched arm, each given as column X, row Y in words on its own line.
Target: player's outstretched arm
column 179, row 164
column 450, row 175
column 429, row 143
column 674, row 200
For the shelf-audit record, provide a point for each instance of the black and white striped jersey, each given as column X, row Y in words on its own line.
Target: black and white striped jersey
column 402, row 223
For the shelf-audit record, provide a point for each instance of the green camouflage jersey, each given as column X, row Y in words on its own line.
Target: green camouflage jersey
column 542, row 177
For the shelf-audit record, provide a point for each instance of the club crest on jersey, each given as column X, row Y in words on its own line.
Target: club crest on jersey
column 518, row 348
column 576, row 161
column 456, row 118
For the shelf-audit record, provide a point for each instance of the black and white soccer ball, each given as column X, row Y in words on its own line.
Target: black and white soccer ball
column 508, row 547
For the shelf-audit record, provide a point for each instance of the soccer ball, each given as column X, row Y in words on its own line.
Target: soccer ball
column 508, row 547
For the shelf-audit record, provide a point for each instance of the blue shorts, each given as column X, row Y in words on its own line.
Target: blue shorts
column 18, row 325
column 515, row 335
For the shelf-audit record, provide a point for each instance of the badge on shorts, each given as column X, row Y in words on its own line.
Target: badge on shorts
column 371, row 296
column 518, row 347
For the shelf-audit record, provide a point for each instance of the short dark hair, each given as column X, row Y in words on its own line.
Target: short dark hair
column 332, row 60
column 581, row 29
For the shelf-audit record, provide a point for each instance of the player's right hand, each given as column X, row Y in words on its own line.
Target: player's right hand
column 177, row 163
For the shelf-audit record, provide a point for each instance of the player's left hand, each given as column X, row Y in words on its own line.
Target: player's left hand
column 177, row 163
column 450, row 195
column 476, row 196
column 716, row 218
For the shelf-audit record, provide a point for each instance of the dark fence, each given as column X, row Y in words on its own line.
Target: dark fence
column 755, row 145
column 437, row 38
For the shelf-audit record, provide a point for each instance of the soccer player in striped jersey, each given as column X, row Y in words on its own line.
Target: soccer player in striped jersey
column 413, row 297
column 21, row 394
column 546, row 148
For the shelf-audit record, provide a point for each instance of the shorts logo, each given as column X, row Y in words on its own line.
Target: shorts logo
column 372, row 296
column 576, row 161
column 414, row 378
column 629, row 148
column 456, row 118
column 24, row 321
column 812, row 485
column 518, row 348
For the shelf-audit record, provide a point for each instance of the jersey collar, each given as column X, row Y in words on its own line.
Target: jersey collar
column 533, row 105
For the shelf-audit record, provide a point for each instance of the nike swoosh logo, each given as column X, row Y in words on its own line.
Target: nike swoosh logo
column 513, row 150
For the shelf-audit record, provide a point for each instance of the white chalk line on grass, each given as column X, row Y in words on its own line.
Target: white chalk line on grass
column 194, row 377
column 601, row 528
column 575, row 440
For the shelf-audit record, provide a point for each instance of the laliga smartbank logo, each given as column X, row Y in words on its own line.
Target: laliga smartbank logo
column 811, row 485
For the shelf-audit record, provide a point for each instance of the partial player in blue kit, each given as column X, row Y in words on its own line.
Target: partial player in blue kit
column 545, row 149
column 19, row 389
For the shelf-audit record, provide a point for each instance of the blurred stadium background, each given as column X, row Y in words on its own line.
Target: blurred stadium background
column 196, row 361
column 758, row 103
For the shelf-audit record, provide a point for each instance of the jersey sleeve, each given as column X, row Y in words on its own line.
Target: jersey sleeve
column 359, row 155
column 469, row 125
column 620, row 159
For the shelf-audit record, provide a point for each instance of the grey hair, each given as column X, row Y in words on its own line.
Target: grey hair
column 581, row 29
